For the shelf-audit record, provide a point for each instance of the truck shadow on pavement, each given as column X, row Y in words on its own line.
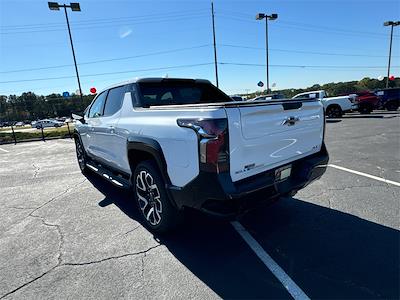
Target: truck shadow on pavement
column 329, row 254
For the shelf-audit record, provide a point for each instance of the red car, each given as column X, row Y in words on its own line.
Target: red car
column 367, row 101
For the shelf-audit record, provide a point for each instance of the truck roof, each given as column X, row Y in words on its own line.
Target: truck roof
column 309, row 92
column 155, row 80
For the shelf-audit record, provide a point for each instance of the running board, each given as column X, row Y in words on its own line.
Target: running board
column 105, row 173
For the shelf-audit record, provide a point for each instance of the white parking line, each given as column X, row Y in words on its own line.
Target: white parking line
column 365, row 175
column 278, row 272
column 6, row 151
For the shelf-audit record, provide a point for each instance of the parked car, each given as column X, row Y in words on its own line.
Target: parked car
column 268, row 97
column 19, row 124
column 237, row 98
column 335, row 107
column 389, row 99
column 183, row 143
column 367, row 101
column 46, row 123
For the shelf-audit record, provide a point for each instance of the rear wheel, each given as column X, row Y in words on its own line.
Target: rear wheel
column 334, row 111
column 157, row 212
column 81, row 155
column 392, row 106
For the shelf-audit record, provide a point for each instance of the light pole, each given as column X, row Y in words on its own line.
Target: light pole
column 392, row 24
column 74, row 7
column 271, row 17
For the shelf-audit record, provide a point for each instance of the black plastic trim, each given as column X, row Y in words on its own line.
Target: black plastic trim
column 152, row 147
column 220, row 188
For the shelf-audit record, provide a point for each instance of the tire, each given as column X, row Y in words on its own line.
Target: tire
column 365, row 109
column 157, row 212
column 81, row 155
column 334, row 111
column 392, row 106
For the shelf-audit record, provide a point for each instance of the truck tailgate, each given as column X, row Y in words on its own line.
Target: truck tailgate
column 271, row 134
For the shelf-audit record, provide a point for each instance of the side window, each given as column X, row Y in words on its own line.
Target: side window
column 114, row 100
column 303, row 96
column 312, row 95
column 97, row 107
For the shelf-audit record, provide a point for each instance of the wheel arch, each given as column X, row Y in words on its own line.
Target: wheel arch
column 143, row 148
column 330, row 105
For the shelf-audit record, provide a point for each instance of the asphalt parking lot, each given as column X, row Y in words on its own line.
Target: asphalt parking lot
column 63, row 235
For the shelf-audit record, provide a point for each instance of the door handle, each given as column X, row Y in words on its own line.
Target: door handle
column 111, row 129
column 290, row 121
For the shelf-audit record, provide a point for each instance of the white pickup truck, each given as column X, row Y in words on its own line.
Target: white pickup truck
column 184, row 143
column 335, row 107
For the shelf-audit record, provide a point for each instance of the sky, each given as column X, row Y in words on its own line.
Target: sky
column 310, row 42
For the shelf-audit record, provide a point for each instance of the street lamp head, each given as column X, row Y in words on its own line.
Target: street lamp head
column 388, row 23
column 54, row 6
column 75, row 6
column 273, row 17
column 396, row 23
column 260, row 16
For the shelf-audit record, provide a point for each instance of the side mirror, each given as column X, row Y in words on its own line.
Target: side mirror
column 78, row 118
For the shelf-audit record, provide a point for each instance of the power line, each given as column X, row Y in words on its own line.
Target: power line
column 108, row 60
column 108, row 73
column 185, row 49
column 249, row 17
column 297, row 27
column 100, row 20
column 159, row 20
column 205, row 64
column 301, row 51
column 305, row 66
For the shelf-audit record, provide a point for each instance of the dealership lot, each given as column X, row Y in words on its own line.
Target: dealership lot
column 64, row 235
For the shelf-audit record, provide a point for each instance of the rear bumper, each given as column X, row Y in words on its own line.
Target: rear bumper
column 217, row 194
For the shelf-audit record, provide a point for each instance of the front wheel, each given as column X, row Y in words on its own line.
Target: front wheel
column 157, row 212
column 334, row 111
column 80, row 155
column 365, row 109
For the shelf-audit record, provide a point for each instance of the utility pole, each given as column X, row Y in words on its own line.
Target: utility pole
column 266, row 51
column 215, row 45
column 391, row 24
column 74, row 7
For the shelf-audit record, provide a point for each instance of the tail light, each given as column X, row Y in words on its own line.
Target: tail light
column 213, row 142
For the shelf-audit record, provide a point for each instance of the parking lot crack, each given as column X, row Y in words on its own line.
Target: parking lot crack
column 112, row 257
column 22, row 208
column 27, row 283
column 133, row 229
column 60, row 234
column 142, row 271
column 57, row 196
column 36, row 170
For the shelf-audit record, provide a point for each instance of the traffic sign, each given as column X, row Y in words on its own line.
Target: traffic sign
column 65, row 94
column 260, row 84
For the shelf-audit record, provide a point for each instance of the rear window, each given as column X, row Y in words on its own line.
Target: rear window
column 177, row 93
